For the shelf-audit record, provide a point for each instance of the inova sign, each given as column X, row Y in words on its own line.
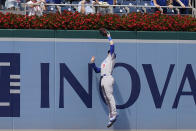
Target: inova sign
column 86, row 96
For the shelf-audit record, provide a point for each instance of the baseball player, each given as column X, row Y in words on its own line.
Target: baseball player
column 107, row 80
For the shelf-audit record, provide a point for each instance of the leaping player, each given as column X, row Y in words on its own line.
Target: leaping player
column 107, row 80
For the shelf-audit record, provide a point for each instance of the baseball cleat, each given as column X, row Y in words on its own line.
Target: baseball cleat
column 112, row 120
column 110, row 123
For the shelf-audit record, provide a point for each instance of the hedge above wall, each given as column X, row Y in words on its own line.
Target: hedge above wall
column 94, row 34
column 77, row 21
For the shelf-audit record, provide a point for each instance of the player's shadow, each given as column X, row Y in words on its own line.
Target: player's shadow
column 122, row 121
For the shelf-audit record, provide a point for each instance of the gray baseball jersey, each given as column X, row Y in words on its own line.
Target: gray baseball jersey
column 107, row 65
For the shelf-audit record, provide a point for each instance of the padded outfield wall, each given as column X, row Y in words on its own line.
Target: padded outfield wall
column 46, row 82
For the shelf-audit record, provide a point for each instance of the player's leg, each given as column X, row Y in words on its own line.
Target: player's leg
column 108, row 87
column 103, row 82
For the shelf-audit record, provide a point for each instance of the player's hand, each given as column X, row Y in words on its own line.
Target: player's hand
column 93, row 59
column 108, row 34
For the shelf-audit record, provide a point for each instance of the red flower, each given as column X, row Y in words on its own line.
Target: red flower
column 77, row 21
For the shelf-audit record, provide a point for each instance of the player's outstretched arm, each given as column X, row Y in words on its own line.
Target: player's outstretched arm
column 110, row 38
column 96, row 69
column 111, row 43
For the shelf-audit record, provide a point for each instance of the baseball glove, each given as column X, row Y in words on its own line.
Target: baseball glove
column 103, row 31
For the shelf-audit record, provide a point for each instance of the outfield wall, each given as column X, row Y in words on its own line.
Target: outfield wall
column 46, row 83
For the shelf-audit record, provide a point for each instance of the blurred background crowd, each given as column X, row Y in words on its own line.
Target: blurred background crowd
column 39, row 7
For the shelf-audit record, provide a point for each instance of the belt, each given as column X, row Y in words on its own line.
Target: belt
column 105, row 75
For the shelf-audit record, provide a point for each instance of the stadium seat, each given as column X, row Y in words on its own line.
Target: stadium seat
column 120, row 10
column 131, row 2
column 146, row 3
column 51, row 9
